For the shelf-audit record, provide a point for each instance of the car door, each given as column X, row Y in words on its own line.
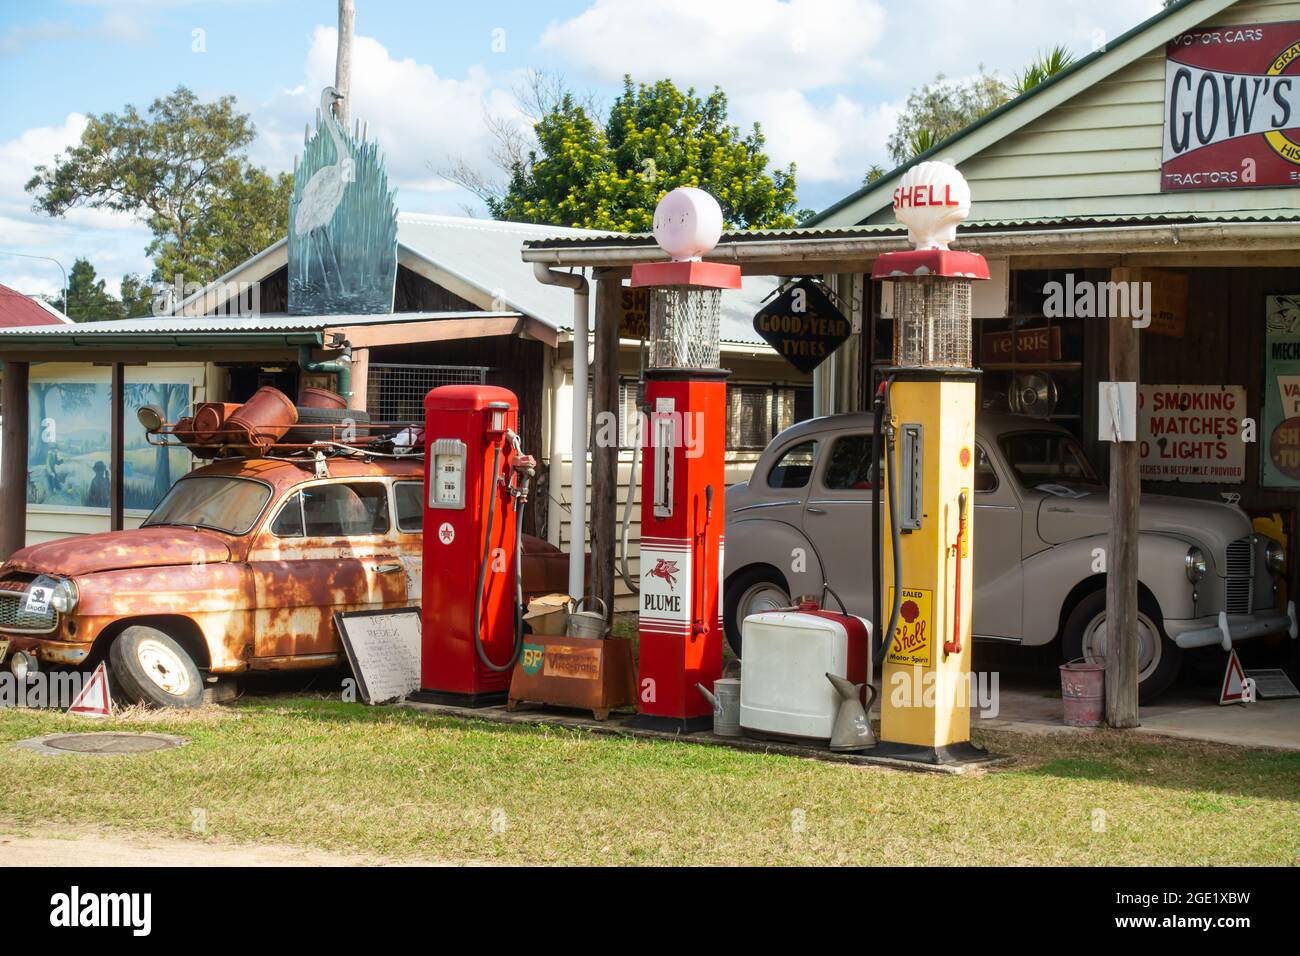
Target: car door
column 837, row 517
column 329, row 547
column 996, row 529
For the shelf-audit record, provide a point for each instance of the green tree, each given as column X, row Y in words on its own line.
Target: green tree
column 610, row 175
column 181, row 168
column 941, row 108
column 1042, row 67
column 88, row 301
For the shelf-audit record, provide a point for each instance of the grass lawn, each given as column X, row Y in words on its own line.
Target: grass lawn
column 400, row 784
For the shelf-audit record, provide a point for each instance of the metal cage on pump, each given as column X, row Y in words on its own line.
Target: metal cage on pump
column 684, row 326
column 932, row 319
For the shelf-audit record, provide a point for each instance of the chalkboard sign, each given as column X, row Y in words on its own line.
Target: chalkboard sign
column 802, row 325
column 383, row 648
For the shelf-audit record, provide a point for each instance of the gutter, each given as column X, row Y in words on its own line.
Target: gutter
column 578, row 439
column 71, row 341
column 1198, row 237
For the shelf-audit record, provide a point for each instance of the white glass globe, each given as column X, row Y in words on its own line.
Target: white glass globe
column 687, row 223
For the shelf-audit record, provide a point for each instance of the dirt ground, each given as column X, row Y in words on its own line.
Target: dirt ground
column 93, row 848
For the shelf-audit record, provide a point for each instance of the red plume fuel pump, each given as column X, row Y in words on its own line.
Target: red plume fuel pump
column 476, row 486
column 683, row 454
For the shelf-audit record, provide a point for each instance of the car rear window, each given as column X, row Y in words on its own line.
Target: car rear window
column 849, row 467
column 794, row 467
column 409, row 499
column 345, row 510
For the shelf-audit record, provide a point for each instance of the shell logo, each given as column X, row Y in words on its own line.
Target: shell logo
column 931, row 200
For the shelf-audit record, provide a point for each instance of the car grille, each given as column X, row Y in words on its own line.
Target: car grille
column 1239, row 591
column 14, row 616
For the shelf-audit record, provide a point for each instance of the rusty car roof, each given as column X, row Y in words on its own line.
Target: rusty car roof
column 282, row 473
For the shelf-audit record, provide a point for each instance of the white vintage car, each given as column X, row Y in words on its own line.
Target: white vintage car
column 1205, row 577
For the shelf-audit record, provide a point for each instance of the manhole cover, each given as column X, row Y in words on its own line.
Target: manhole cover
column 102, row 744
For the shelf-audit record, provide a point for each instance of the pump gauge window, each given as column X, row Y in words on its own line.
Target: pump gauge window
column 447, row 476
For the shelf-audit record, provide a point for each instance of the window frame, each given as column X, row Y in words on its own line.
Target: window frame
column 397, row 514
column 780, row 456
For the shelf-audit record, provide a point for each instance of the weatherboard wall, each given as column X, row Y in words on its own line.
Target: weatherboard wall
column 1099, row 153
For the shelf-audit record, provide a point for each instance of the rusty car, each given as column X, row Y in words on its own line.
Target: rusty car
column 239, row 568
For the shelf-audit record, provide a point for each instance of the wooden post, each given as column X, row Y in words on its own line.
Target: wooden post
column 343, row 60
column 604, row 455
column 117, row 451
column 1122, row 561
column 13, row 459
column 360, row 380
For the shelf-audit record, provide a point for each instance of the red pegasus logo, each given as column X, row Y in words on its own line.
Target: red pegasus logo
column 667, row 570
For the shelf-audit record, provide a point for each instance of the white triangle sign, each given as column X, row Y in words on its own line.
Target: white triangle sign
column 1237, row 688
column 94, row 699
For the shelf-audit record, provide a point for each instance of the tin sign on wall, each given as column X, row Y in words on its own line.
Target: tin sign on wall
column 1192, row 433
column 1232, row 108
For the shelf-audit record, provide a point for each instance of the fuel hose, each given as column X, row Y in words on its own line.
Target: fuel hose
column 891, row 472
column 482, row 576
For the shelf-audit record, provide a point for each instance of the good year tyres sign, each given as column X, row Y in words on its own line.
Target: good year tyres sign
column 1232, row 108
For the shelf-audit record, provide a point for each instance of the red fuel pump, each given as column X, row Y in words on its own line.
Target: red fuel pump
column 683, row 470
column 476, row 486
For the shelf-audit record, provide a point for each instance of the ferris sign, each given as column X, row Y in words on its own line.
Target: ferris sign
column 1232, row 108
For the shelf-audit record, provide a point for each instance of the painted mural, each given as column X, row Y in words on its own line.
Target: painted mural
column 68, row 446
column 342, row 223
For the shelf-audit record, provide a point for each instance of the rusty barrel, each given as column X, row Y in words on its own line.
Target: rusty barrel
column 1083, row 692
column 311, row 397
column 264, row 418
column 210, row 418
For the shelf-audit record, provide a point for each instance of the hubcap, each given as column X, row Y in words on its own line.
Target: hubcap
column 762, row 597
column 164, row 667
column 1149, row 643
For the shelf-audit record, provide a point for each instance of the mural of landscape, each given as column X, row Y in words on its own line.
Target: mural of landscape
column 68, row 445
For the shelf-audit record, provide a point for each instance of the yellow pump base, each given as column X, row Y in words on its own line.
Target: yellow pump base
column 925, row 698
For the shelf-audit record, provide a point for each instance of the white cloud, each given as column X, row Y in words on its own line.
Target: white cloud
column 835, row 142
column 740, row 45
column 417, row 116
column 113, row 242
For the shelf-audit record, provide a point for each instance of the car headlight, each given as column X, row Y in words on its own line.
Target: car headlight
column 1275, row 557
column 1195, row 564
column 64, row 598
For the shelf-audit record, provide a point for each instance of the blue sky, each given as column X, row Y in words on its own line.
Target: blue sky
column 826, row 78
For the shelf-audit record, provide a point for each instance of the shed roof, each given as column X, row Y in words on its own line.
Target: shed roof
column 18, row 310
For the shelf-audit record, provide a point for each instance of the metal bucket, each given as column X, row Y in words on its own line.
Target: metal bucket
column 588, row 623
column 726, row 705
column 312, row 397
column 1083, row 692
column 264, row 418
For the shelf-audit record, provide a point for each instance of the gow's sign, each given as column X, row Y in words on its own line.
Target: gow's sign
column 1232, row 108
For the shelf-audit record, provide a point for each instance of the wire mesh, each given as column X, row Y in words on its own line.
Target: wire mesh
column 395, row 393
column 684, row 327
column 932, row 322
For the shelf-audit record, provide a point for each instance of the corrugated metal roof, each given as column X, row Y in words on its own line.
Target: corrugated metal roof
column 22, row 311
column 168, row 325
column 486, row 253
column 886, row 230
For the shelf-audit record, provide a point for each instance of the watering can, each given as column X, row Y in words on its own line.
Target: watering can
column 852, row 729
column 725, row 700
column 588, row 623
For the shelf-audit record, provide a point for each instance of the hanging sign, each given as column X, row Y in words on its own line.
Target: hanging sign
column 1232, row 105
column 1168, row 302
column 1192, row 433
column 802, row 325
column 634, row 313
column 1280, row 434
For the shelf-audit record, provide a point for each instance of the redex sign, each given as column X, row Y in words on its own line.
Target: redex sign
column 802, row 325
column 1232, row 108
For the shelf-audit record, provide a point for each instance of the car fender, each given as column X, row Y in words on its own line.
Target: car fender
column 783, row 546
column 1056, row 577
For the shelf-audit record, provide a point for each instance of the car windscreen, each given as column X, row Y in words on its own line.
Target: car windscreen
column 211, row 501
column 1047, row 458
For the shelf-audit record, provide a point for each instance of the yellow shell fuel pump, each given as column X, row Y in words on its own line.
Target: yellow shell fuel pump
column 926, row 422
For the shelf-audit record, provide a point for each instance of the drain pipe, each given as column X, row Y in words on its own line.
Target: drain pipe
column 578, row 473
column 340, row 368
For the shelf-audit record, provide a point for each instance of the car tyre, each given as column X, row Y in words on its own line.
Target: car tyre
column 1159, row 658
column 152, row 668
column 752, row 589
